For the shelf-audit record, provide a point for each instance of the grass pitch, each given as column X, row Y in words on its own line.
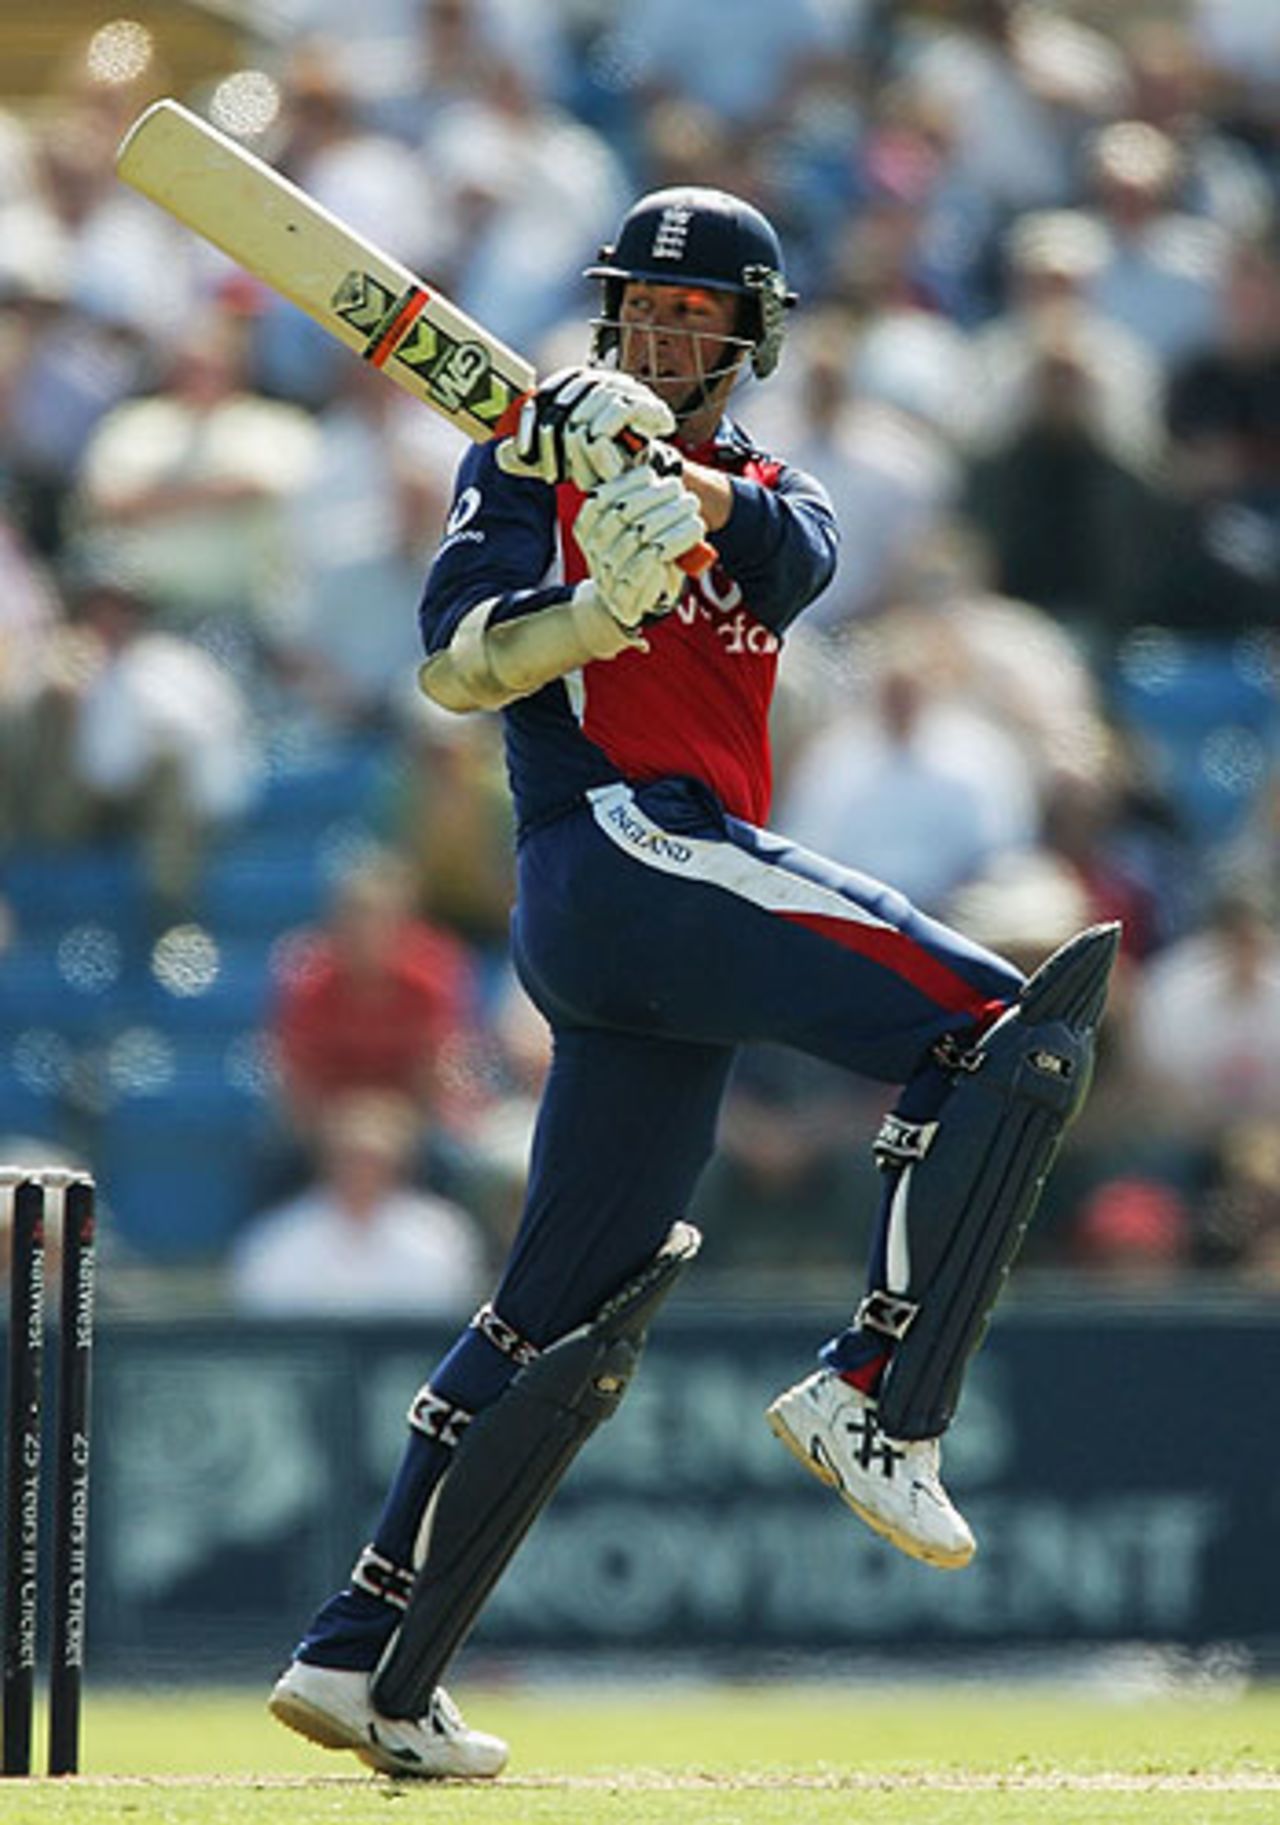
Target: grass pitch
column 699, row 1756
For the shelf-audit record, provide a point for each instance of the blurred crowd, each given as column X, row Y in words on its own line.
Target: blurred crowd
column 1037, row 365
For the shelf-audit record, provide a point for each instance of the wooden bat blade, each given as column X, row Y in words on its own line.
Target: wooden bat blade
column 359, row 294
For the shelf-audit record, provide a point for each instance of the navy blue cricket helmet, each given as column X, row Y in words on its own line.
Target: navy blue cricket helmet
column 694, row 236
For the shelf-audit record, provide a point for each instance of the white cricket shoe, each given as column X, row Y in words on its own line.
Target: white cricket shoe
column 891, row 1484
column 333, row 1708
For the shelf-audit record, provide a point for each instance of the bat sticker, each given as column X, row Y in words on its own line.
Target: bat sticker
column 453, row 371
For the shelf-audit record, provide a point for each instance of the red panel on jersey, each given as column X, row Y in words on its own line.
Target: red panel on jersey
column 702, row 709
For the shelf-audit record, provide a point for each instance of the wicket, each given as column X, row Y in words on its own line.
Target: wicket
column 34, row 1194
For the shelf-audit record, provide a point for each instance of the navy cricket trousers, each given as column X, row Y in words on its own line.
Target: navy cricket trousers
column 657, row 935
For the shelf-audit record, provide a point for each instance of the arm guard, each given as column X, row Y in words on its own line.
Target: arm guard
column 488, row 665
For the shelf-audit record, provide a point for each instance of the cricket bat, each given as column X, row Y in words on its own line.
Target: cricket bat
column 368, row 300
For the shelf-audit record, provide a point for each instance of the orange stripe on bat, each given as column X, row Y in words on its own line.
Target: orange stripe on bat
column 381, row 351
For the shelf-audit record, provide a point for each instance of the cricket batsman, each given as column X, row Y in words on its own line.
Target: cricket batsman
column 659, row 926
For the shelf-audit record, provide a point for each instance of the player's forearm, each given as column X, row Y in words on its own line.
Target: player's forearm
column 713, row 493
column 780, row 545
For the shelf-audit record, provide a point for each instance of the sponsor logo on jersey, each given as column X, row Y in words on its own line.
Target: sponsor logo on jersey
column 715, row 598
column 458, row 528
column 464, row 509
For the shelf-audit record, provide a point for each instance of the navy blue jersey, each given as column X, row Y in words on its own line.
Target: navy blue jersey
column 697, row 704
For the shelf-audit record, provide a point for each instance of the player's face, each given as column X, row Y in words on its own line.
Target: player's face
column 674, row 336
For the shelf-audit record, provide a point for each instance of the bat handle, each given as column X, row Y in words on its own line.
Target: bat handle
column 693, row 562
column 699, row 557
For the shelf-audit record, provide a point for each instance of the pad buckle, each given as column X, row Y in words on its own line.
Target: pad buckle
column 504, row 1337
column 887, row 1313
column 954, row 1056
column 437, row 1418
column 382, row 1577
column 901, row 1143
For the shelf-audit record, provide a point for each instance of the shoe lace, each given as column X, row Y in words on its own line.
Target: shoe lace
column 872, row 1448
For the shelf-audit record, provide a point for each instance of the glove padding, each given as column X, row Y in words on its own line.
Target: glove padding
column 568, row 429
column 631, row 531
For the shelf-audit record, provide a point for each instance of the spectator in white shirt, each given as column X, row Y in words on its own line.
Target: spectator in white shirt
column 1207, row 1020
column 136, row 733
column 914, row 786
column 361, row 1241
column 1163, row 276
column 191, row 482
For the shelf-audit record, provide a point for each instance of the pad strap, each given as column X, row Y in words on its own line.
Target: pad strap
column 951, row 1055
column 902, row 1143
column 437, row 1418
column 382, row 1577
column 888, row 1313
column 505, row 1337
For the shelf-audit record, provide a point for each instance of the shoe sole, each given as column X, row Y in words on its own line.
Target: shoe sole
column 328, row 1732
column 319, row 1727
column 906, row 1543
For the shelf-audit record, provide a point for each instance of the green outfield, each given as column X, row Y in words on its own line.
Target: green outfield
column 705, row 1756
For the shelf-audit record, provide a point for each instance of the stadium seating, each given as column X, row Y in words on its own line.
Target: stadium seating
column 1206, row 714
column 141, row 1047
column 46, row 888
column 174, row 1148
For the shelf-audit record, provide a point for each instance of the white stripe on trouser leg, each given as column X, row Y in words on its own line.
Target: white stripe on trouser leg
column 422, row 1538
column 768, row 885
column 897, row 1266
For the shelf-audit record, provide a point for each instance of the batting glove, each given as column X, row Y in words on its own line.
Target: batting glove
column 631, row 531
column 568, row 430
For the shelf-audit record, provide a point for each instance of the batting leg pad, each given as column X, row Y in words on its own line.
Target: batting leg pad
column 506, row 1468
column 968, row 1184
